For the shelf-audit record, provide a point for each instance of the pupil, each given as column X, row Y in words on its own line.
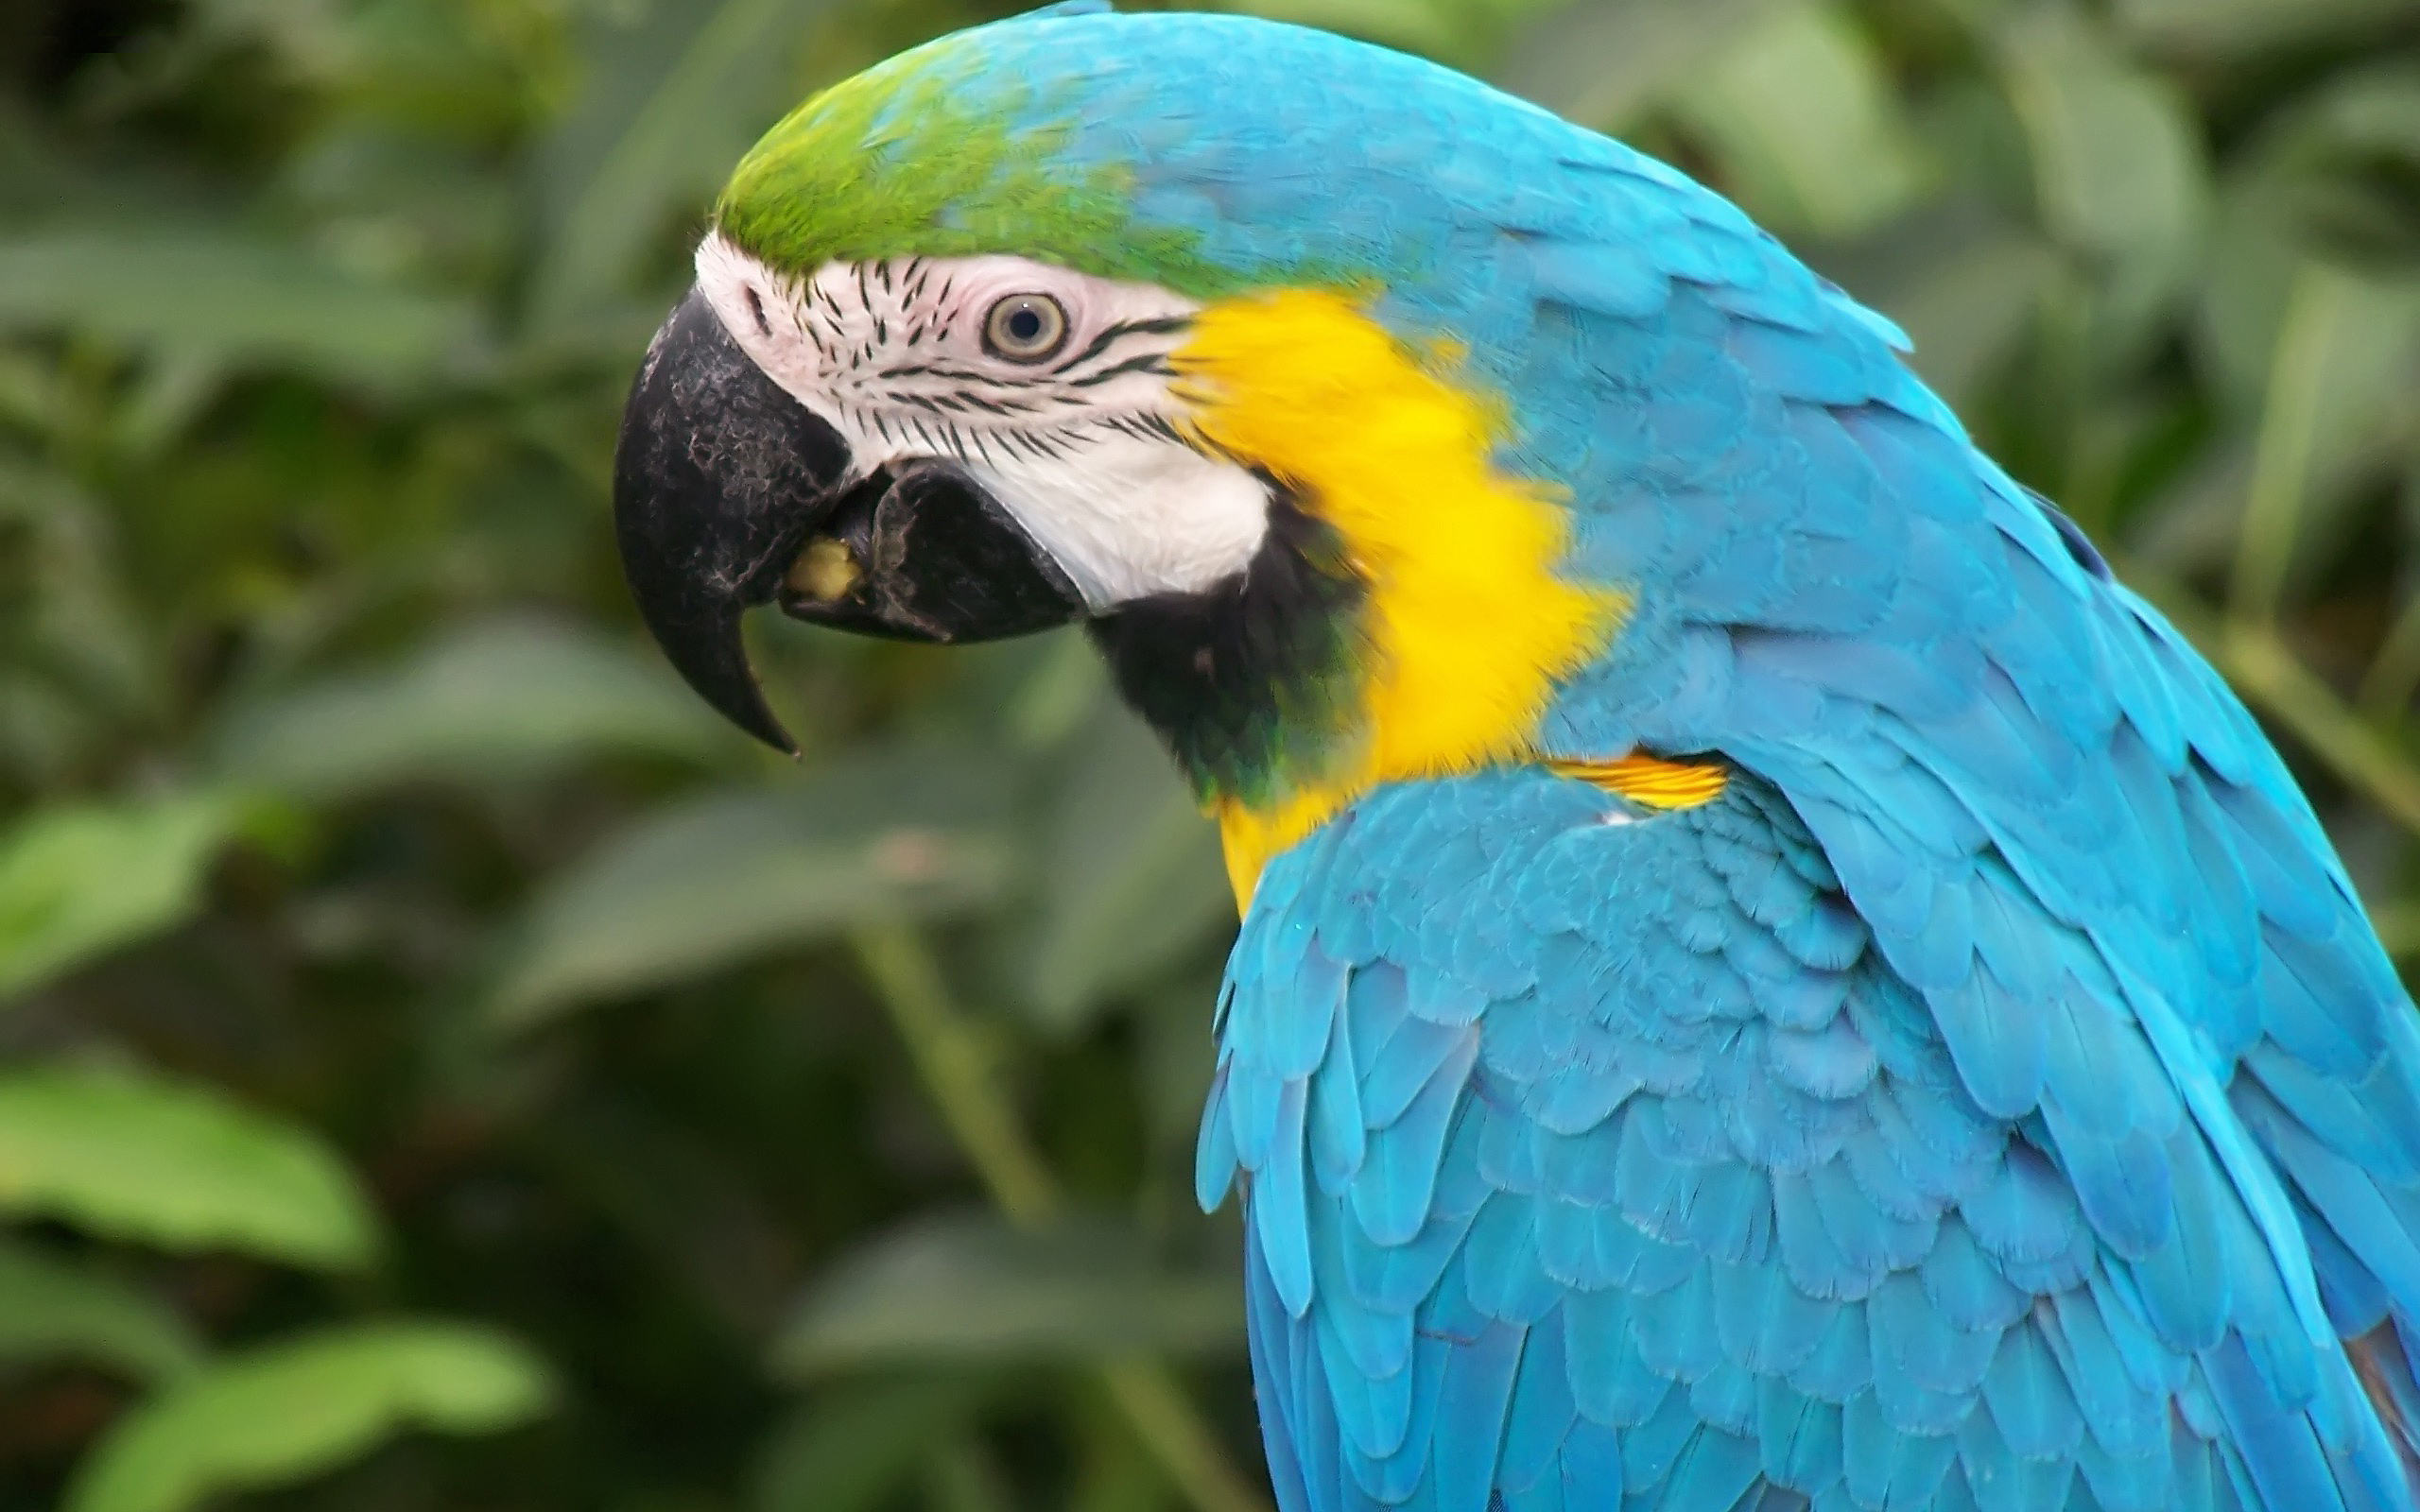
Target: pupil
column 1025, row 324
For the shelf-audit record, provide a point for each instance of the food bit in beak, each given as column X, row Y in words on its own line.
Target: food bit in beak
column 824, row 571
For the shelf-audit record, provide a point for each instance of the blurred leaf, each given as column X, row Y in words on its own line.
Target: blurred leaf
column 79, row 879
column 2341, row 383
column 853, row 1447
column 2119, row 164
column 492, row 701
column 2307, row 187
column 1966, row 301
column 670, row 104
column 1068, row 682
column 966, row 1476
column 68, row 618
column 706, row 1226
column 714, row 882
column 2373, row 109
column 2227, row 27
column 198, row 288
column 1132, row 876
column 2189, row 526
column 175, row 1165
column 1177, row 1055
column 1802, row 118
column 308, row 36
column 294, row 1410
column 52, row 1310
column 2260, row 237
column 974, row 1288
column 1435, row 27
column 1604, row 61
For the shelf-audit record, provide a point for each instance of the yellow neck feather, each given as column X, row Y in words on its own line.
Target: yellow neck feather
column 1470, row 627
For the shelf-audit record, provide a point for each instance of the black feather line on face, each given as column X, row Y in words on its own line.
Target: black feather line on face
column 1249, row 680
column 1149, row 362
column 1110, row 335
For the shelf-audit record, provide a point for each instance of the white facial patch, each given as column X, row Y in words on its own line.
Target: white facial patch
column 1079, row 442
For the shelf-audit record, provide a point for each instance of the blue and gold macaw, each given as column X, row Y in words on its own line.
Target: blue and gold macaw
column 1769, row 980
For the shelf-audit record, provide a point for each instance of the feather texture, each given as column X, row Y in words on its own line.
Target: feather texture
column 1995, row 1099
column 1782, row 1257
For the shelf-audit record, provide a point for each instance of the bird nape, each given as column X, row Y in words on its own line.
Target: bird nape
column 1768, row 979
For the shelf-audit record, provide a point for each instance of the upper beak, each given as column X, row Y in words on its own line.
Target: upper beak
column 729, row 493
column 718, row 475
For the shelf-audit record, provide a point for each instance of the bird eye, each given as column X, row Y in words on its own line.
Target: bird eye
column 1026, row 328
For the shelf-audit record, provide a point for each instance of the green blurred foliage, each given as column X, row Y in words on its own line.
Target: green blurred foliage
column 442, row 1068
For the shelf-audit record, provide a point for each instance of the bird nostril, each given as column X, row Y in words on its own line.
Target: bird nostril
column 824, row 571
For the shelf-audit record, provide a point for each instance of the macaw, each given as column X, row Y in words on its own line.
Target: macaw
column 1769, row 979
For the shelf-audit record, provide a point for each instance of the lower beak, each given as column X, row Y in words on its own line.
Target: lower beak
column 729, row 493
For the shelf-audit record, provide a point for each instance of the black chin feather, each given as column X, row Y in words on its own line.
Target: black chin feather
column 1252, row 677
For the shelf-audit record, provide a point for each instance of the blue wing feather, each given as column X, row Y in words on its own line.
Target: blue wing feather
column 1905, row 1299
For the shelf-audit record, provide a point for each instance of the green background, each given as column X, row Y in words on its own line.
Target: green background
column 442, row 1068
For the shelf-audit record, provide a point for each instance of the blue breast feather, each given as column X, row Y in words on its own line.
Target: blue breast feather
column 1597, row 1160
column 1997, row 1100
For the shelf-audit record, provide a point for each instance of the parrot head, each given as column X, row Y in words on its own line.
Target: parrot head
column 1194, row 328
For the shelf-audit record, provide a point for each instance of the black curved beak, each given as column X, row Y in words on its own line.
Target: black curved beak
column 729, row 493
